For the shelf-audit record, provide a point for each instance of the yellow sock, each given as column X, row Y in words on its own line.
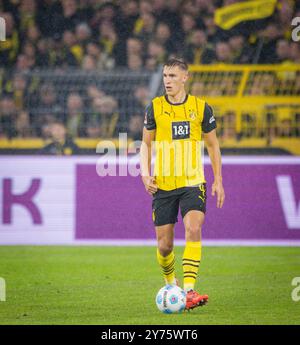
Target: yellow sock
column 167, row 263
column 190, row 264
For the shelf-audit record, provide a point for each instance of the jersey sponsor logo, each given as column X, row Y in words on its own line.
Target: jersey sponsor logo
column 192, row 115
column 180, row 130
column 212, row 119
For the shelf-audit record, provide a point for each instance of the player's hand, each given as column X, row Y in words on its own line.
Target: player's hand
column 150, row 185
column 217, row 187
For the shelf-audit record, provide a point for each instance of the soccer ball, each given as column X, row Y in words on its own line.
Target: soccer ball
column 171, row 299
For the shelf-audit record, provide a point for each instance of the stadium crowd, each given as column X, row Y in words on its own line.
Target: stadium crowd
column 135, row 35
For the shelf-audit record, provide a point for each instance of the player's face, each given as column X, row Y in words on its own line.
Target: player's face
column 174, row 79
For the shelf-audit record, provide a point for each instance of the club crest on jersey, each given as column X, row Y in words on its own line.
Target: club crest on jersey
column 192, row 115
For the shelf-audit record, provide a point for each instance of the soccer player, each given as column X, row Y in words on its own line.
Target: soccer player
column 174, row 124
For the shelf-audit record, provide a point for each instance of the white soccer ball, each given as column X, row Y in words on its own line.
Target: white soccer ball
column 171, row 299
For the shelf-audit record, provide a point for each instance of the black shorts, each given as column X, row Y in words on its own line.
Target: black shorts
column 165, row 204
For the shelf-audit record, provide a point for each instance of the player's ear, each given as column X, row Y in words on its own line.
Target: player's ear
column 186, row 77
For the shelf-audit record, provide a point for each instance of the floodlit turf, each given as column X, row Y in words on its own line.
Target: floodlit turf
column 117, row 285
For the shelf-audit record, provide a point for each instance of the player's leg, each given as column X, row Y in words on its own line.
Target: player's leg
column 193, row 221
column 165, row 251
column 165, row 210
column 193, row 207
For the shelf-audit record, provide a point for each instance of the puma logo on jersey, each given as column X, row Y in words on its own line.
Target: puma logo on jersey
column 167, row 113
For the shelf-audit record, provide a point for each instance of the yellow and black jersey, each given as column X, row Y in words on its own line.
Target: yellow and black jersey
column 178, row 144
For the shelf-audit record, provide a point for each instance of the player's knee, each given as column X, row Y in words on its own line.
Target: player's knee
column 193, row 232
column 165, row 247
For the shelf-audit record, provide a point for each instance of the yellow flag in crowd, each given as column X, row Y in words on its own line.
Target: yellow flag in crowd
column 229, row 16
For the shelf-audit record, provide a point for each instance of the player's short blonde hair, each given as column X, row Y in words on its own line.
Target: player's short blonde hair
column 177, row 62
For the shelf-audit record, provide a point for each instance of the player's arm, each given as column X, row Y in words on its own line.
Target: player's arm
column 213, row 149
column 146, row 150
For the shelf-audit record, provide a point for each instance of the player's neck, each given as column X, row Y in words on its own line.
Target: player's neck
column 178, row 98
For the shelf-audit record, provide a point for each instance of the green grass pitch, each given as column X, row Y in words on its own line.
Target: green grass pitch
column 118, row 285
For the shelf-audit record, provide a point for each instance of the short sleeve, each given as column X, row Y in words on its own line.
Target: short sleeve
column 209, row 121
column 149, row 121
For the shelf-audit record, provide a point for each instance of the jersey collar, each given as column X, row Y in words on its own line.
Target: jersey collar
column 186, row 97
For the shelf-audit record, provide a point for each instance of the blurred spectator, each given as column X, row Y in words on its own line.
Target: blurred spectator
column 163, row 37
column 282, row 51
column 135, row 62
column 240, row 49
column 126, row 18
column 135, row 127
column 211, row 29
column 30, row 52
column 48, row 101
column 198, row 51
column 60, row 55
column 295, row 52
column 285, row 15
column 94, row 92
column 268, row 84
column 228, row 125
column 136, row 111
column 198, row 89
column 20, row 91
column 269, row 37
column 89, row 63
column 43, row 56
column 224, row 53
column 284, row 121
column 104, row 117
column 23, row 63
column 67, row 19
column 256, row 86
column 103, row 62
column 8, row 115
column 145, row 6
column 23, row 126
column 134, row 46
column 61, row 142
column 47, row 109
column 188, row 7
column 75, row 117
column 81, row 40
column 93, row 129
column 145, row 27
column 157, row 52
column 205, row 7
column 33, row 34
column 171, row 15
column 151, row 64
column 188, row 24
column 72, row 46
column 108, row 38
column 26, row 15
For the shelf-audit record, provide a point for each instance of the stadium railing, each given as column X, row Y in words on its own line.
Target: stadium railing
column 256, row 106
